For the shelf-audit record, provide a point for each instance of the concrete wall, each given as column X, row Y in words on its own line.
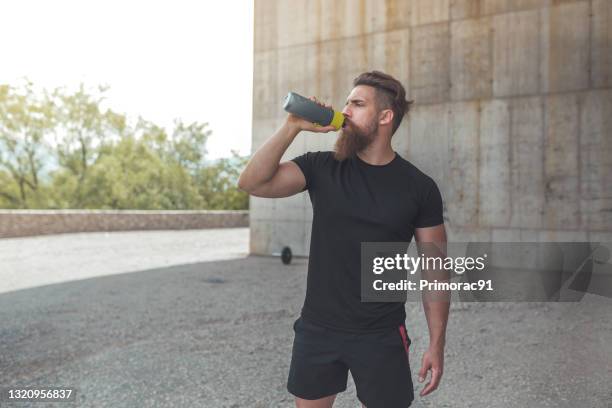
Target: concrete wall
column 21, row 223
column 512, row 114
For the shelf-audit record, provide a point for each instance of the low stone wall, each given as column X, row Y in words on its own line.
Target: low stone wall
column 21, row 223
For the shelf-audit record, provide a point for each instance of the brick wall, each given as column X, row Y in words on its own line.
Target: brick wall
column 20, row 223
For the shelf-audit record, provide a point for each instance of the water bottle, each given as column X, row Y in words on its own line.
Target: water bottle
column 311, row 111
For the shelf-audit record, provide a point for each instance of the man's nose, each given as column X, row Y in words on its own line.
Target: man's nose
column 346, row 111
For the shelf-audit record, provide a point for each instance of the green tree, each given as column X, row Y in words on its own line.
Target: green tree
column 189, row 144
column 25, row 120
column 102, row 162
column 82, row 130
column 9, row 193
column 155, row 138
column 185, row 146
column 217, row 184
column 132, row 176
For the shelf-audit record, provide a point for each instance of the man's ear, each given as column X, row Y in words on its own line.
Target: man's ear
column 385, row 117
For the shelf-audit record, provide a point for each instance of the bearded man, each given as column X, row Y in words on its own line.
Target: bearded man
column 362, row 191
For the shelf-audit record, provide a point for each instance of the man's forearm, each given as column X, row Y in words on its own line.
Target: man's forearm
column 436, row 303
column 264, row 163
column 436, row 313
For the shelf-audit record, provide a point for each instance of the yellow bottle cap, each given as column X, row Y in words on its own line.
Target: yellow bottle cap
column 337, row 120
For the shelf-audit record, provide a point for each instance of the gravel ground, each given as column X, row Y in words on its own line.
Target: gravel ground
column 219, row 334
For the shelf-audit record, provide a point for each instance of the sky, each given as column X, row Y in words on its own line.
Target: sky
column 162, row 60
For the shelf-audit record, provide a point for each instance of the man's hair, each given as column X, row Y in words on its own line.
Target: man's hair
column 390, row 94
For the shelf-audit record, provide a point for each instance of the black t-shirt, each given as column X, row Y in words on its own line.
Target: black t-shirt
column 355, row 202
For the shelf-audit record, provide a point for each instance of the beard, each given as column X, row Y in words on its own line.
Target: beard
column 353, row 139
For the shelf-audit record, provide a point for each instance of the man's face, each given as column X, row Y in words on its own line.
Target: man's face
column 360, row 124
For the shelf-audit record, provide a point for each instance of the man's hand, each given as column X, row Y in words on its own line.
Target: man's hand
column 300, row 124
column 433, row 360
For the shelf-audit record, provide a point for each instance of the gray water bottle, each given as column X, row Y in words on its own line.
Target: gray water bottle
column 311, row 111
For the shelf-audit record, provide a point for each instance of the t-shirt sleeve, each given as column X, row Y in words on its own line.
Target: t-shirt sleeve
column 306, row 163
column 431, row 209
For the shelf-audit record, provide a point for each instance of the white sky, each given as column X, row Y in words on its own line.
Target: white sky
column 162, row 59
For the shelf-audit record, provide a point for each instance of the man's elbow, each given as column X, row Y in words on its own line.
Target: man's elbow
column 245, row 185
column 242, row 185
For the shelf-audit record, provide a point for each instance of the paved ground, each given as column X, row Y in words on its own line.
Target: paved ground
column 36, row 261
column 219, row 334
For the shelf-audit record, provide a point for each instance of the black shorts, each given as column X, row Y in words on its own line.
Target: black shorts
column 378, row 362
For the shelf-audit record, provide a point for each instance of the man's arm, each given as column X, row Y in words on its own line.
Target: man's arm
column 264, row 175
column 431, row 241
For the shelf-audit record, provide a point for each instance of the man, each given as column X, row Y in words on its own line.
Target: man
column 362, row 191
